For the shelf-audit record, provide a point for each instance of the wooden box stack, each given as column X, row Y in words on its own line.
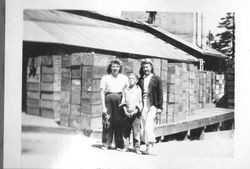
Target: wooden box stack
column 174, row 92
column 92, row 72
column 33, row 86
column 65, row 108
column 219, row 86
column 193, row 88
column 50, row 86
column 164, row 78
column 230, row 78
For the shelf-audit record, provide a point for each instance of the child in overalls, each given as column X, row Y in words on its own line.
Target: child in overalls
column 132, row 106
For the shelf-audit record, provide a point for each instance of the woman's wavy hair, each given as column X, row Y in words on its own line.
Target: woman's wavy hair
column 114, row 61
column 146, row 61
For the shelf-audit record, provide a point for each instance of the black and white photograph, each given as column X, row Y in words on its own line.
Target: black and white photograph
column 126, row 87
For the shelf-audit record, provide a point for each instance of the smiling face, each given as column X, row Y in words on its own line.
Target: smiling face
column 147, row 68
column 115, row 68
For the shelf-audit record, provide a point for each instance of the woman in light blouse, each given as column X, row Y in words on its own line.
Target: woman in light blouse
column 112, row 86
column 152, row 97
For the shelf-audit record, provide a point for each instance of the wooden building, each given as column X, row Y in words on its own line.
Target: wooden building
column 65, row 55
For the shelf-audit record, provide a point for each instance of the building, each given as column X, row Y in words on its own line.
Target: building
column 65, row 54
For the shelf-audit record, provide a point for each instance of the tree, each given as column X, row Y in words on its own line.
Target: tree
column 226, row 39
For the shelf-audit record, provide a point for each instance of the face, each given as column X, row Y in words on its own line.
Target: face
column 132, row 80
column 115, row 68
column 146, row 69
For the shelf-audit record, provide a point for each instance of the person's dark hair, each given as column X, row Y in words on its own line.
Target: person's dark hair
column 114, row 61
column 143, row 62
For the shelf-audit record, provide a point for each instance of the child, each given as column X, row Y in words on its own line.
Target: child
column 132, row 106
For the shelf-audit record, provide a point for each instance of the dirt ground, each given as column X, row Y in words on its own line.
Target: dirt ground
column 61, row 151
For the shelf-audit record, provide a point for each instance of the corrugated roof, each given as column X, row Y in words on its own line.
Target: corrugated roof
column 64, row 28
column 204, row 51
column 212, row 52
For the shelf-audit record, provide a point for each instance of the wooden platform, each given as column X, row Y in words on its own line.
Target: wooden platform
column 201, row 118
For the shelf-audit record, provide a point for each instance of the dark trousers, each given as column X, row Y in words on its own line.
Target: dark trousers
column 133, row 124
column 115, row 121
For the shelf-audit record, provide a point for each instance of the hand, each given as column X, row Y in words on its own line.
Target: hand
column 104, row 110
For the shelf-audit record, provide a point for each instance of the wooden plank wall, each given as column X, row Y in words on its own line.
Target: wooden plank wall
column 68, row 87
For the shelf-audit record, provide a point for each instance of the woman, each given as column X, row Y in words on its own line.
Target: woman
column 152, row 97
column 112, row 86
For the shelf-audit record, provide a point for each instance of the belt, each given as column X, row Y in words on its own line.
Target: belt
column 113, row 93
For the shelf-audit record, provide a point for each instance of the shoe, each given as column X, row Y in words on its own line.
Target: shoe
column 146, row 152
column 118, row 149
column 137, row 151
column 124, row 150
column 104, row 148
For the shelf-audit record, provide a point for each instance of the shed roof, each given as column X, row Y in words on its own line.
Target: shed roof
column 206, row 50
column 51, row 26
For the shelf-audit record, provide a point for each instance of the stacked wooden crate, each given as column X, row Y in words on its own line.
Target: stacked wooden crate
column 219, row 86
column 94, row 68
column 33, row 86
column 50, row 86
column 174, row 92
column 164, row 78
column 230, row 78
column 65, row 108
column 193, row 88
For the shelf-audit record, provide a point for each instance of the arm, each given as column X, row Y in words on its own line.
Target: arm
column 139, row 105
column 160, row 96
column 104, row 109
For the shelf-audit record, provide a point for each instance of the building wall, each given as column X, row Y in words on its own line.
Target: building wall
column 186, row 25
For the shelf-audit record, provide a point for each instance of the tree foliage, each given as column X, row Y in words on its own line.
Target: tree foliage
column 225, row 41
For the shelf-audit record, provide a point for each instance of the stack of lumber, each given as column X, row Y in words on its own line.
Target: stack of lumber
column 33, row 86
column 230, row 83
column 50, row 86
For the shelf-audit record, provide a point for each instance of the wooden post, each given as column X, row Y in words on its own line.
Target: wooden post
column 2, row 47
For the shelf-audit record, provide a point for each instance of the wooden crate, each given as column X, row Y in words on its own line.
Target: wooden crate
column 57, row 60
column 33, row 103
column 75, row 97
column 34, row 61
column 101, row 59
column 33, row 110
column 65, row 108
column 75, row 122
column 75, row 110
column 50, row 104
column 65, row 96
column 164, row 64
column 95, row 109
column 56, row 96
column 64, row 120
column 90, row 122
column 33, row 95
column 51, row 87
column 33, row 86
column 91, row 97
column 66, row 61
column 51, row 70
column 66, row 81
column 46, row 60
column 76, row 72
column 50, row 113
